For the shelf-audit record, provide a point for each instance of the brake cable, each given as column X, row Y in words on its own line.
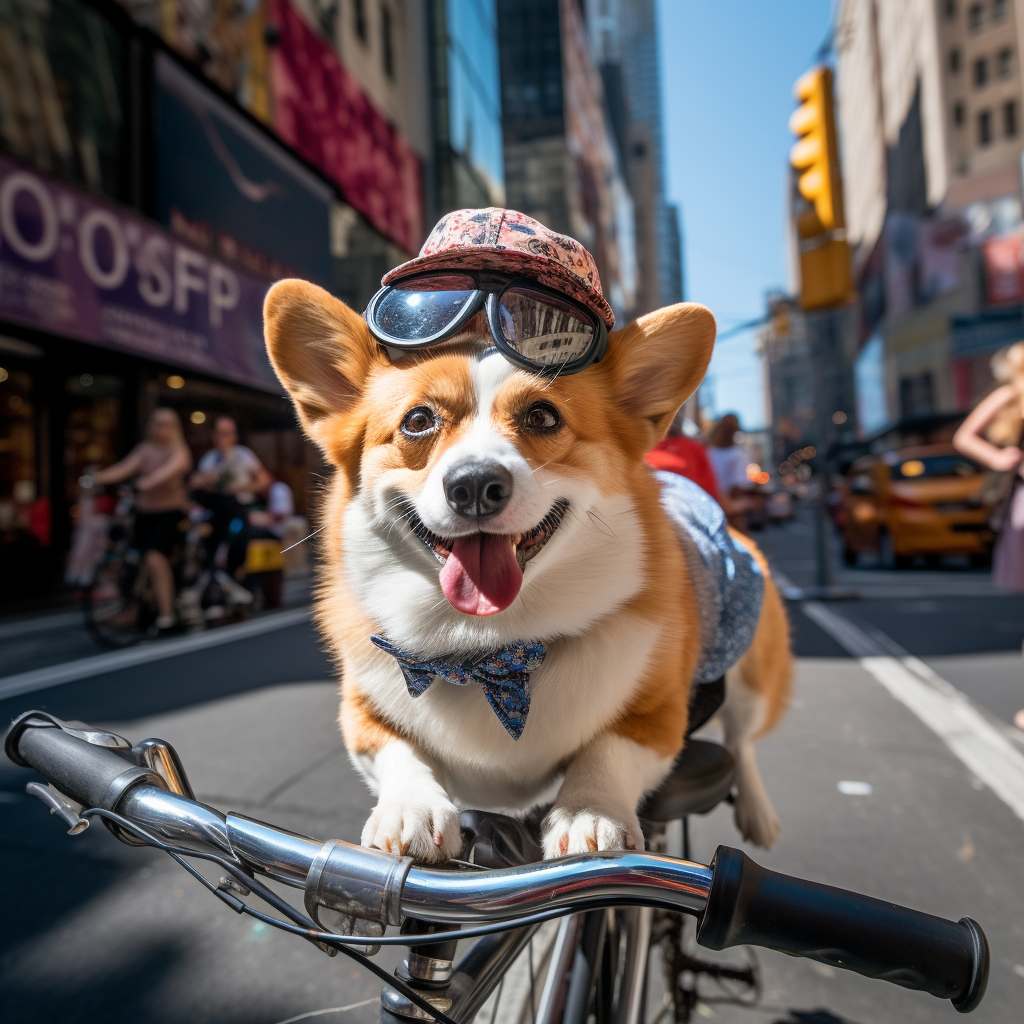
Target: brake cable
column 304, row 926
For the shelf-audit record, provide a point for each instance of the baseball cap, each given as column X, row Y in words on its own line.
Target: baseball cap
column 509, row 241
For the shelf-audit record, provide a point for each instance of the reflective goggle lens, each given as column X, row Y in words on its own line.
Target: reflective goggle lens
column 418, row 309
column 543, row 329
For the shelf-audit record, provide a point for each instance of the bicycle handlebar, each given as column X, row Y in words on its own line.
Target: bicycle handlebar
column 735, row 900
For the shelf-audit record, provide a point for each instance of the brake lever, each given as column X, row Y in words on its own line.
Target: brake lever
column 60, row 805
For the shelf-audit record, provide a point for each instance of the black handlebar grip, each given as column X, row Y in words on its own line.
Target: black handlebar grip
column 749, row 905
column 91, row 775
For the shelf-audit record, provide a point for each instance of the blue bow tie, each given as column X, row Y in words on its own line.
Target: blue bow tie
column 504, row 673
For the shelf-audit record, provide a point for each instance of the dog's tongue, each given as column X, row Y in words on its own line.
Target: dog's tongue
column 481, row 575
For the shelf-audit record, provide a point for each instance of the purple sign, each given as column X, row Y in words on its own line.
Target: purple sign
column 79, row 267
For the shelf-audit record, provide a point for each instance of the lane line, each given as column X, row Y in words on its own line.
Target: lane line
column 979, row 744
column 111, row 661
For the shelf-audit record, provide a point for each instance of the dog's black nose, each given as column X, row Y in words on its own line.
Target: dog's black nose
column 478, row 489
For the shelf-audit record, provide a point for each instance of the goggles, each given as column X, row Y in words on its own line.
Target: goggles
column 534, row 327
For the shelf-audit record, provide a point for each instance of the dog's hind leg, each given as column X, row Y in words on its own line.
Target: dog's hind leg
column 743, row 717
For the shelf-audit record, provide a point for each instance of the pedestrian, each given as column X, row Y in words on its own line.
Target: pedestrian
column 729, row 462
column 159, row 466
column 226, row 481
column 992, row 435
column 686, row 456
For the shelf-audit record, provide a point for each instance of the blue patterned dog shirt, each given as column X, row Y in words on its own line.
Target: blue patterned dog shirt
column 727, row 580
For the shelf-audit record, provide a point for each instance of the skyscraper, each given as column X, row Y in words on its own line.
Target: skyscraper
column 624, row 39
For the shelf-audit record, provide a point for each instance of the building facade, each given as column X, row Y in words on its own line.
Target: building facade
column 160, row 165
column 624, row 41
column 562, row 160
column 468, row 166
column 929, row 101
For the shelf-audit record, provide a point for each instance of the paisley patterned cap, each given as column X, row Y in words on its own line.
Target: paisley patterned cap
column 509, row 241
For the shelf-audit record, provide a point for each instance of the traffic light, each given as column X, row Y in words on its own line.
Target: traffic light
column 816, row 154
column 825, row 272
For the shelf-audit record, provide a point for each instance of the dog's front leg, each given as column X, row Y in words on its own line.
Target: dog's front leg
column 597, row 801
column 414, row 815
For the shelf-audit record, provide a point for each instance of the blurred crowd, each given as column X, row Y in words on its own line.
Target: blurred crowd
column 229, row 499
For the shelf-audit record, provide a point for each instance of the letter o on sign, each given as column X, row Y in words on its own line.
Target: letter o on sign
column 46, row 246
column 91, row 222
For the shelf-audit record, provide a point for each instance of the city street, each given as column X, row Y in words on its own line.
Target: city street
column 95, row 931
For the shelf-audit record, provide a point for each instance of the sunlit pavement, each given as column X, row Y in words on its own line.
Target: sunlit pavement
column 94, row 931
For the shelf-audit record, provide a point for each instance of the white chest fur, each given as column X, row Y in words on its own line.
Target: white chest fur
column 583, row 684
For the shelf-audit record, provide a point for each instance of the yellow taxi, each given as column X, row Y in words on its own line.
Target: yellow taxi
column 915, row 501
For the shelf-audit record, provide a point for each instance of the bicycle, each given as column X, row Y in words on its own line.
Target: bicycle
column 118, row 601
column 564, row 940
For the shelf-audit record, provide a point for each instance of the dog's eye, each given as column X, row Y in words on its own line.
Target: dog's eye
column 418, row 421
column 542, row 416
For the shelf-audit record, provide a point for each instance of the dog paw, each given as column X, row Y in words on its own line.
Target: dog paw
column 756, row 819
column 585, row 830
column 426, row 830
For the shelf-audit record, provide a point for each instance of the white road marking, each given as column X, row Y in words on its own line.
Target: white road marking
column 82, row 668
column 979, row 744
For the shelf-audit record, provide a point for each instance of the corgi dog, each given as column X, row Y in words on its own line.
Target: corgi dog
column 479, row 507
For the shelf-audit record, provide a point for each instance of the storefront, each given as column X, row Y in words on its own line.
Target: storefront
column 150, row 192
column 103, row 317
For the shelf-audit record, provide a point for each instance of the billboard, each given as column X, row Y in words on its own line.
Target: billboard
column 227, row 41
column 89, row 270
column 1002, row 259
column 869, row 382
column 224, row 185
column 320, row 110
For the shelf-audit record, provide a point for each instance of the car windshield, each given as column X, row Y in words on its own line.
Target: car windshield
column 931, row 466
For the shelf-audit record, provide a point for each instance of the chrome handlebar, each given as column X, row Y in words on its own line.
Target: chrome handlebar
column 738, row 902
column 383, row 887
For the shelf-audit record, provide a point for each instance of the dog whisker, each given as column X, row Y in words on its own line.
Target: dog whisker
column 304, row 539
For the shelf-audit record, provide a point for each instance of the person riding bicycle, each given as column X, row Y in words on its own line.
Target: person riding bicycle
column 227, row 481
column 159, row 466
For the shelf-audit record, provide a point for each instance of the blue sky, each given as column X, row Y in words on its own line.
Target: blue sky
column 728, row 68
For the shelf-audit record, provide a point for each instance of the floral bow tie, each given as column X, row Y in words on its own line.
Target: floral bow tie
column 504, row 673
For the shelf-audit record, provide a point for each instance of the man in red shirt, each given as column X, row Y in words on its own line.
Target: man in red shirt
column 680, row 454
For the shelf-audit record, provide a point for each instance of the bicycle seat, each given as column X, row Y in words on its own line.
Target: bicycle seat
column 701, row 778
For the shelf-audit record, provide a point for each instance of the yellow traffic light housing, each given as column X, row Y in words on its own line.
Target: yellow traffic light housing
column 816, row 153
column 826, row 277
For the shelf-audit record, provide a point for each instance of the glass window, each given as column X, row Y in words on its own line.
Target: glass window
column 1005, row 62
column 387, row 41
column 473, row 87
column 954, row 60
column 929, row 467
column 980, row 72
column 951, row 9
column 958, row 114
column 61, row 92
column 25, row 513
column 1010, row 119
column 984, row 128
column 359, row 20
column 976, row 17
column 998, row 10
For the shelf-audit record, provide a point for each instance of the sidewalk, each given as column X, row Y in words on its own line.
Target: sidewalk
column 38, row 642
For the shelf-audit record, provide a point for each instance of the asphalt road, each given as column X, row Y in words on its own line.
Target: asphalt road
column 95, row 931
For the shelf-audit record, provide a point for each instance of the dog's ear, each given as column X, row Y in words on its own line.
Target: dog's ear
column 656, row 363
column 321, row 349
